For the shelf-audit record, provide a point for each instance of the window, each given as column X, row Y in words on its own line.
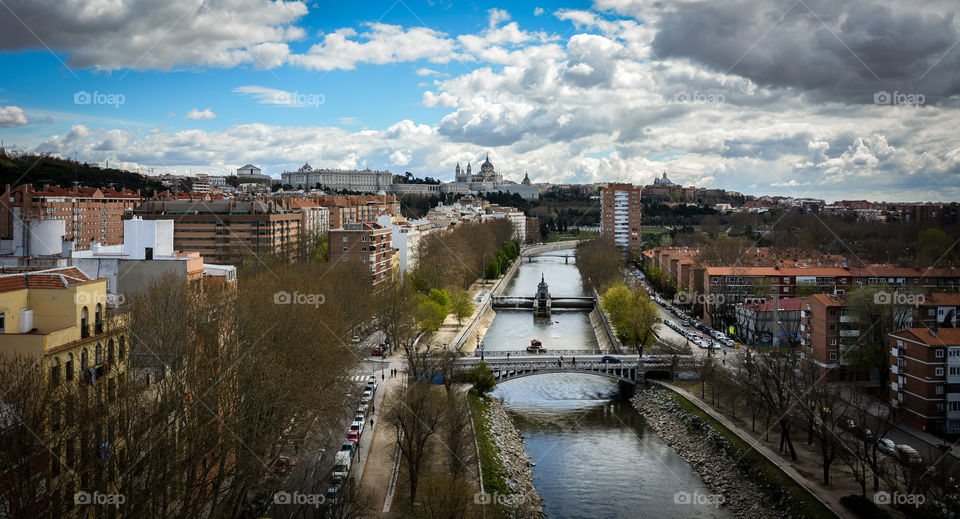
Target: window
column 938, row 353
column 3, row 322
column 833, row 342
column 833, row 312
column 833, row 356
column 940, row 407
column 939, row 390
column 939, row 372
column 69, row 366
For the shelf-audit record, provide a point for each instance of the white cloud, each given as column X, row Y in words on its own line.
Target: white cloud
column 379, row 44
column 537, row 11
column 12, row 116
column 427, row 72
column 445, row 99
column 274, row 96
column 400, row 158
column 198, row 114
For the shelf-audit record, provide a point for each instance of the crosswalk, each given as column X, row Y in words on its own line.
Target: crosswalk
column 361, row 378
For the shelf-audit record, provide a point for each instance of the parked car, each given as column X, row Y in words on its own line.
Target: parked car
column 357, row 426
column 367, row 395
column 341, row 464
column 607, row 359
column 332, row 496
column 375, row 352
column 352, row 436
column 908, row 455
column 348, row 447
column 282, row 465
column 652, row 358
column 356, row 338
column 886, row 446
column 686, row 323
column 363, row 408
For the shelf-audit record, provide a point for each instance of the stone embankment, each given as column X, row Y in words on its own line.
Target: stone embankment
column 524, row 500
column 706, row 452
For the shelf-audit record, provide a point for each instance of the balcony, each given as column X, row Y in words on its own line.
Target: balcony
column 895, row 352
column 848, row 319
column 849, row 333
column 894, row 386
column 895, row 370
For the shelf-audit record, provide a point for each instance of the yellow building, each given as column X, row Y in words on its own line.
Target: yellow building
column 61, row 317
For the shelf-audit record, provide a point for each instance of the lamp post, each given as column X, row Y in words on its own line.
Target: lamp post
column 480, row 345
column 382, row 353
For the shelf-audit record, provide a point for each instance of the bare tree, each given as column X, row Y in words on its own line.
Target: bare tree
column 416, row 415
column 457, row 437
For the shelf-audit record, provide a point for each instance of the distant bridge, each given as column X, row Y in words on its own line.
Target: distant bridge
column 631, row 371
column 566, row 257
column 556, row 302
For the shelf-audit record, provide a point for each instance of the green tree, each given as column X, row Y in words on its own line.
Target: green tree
column 460, row 305
column 430, row 313
column 633, row 315
column 482, row 378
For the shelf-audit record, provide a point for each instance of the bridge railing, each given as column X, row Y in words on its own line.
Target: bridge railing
column 504, row 353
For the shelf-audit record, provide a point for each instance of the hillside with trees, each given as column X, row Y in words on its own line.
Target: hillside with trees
column 43, row 169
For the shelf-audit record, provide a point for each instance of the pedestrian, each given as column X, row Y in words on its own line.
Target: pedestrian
column 574, row 361
column 371, row 421
column 508, row 354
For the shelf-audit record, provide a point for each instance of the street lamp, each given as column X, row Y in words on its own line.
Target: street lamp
column 480, row 345
column 382, row 353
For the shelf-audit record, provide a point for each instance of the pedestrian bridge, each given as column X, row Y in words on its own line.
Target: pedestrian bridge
column 631, row 371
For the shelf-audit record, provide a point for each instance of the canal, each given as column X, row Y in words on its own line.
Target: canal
column 594, row 455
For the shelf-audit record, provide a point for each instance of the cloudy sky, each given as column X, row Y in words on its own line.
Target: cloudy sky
column 852, row 99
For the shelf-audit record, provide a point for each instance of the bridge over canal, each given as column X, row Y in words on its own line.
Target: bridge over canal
column 632, row 371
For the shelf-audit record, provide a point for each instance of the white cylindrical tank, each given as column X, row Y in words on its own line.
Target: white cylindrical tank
column 26, row 320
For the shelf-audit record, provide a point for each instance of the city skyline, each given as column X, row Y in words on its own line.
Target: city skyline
column 804, row 99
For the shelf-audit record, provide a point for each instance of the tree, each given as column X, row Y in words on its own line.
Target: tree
column 599, row 262
column 482, row 378
column 457, row 435
column 825, row 415
column 416, row 414
column 773, row 382
column 633, row 314
column 460, row 305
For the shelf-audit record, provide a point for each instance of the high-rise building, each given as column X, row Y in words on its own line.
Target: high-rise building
column 369, row 242
column 620, row 215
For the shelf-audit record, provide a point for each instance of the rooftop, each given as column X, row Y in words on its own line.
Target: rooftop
column 53, row 278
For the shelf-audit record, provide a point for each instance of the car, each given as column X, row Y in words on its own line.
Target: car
column 352, row 436
column 372, row 378
column 332, row 495
column 360, row 417
column 652, row 358
column 886, row 446
column 357, row 426
column 686, row 323
column 729, row 342
column 608, row 359
column 348, row 446
column 375, row 352
column 367, row 395
column 907, row 454
column 356, row 338
column 363, row 408
column 282, row 465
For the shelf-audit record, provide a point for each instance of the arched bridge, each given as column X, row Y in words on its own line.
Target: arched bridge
column 627, row 370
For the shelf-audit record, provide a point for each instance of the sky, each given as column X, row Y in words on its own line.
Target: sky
column 818, row 98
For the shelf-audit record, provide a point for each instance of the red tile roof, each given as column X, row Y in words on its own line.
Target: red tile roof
column 944, row 337
column 61, row 277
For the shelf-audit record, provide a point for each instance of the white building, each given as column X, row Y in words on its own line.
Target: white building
column 365, row 181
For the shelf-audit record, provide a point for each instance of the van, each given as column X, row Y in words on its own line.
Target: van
column 908, row 455
column 341, row 464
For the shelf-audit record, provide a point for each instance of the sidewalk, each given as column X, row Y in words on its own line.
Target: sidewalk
column 827, row 497
column 376, row 469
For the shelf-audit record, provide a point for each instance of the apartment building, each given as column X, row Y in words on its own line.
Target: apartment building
column 620, row 214
column 227, row 231
column 314, row 218
column 925, row 377
column 368, row 243
column 60, row 317
column 85, row 214
column 344, row 209
column 938, row 309
column 828, row 330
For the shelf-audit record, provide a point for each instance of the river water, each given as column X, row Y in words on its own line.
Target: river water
column 595, row 456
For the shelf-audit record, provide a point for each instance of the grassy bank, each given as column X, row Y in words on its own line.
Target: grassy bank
column 494, row 473
column 761, row 472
